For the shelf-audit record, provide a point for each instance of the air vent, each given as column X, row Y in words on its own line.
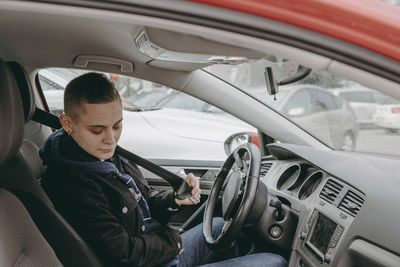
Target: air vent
column 330, row 191
column 265, row 166
column 351, row 203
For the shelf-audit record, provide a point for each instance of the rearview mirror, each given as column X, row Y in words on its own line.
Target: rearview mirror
column 273, row 85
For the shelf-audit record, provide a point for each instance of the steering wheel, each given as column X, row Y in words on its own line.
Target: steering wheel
column 239, row 202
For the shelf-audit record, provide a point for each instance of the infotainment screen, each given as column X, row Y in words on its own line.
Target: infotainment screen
column 322, row 234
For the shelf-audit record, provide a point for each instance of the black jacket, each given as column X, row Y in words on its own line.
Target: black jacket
column 106, row 214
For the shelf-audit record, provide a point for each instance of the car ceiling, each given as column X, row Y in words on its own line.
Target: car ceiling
column 38, row 43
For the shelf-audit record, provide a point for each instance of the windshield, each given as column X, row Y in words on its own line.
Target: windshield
column 341, row 113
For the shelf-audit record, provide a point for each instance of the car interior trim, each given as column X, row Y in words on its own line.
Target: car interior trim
column 276, row 31
column 373, row 254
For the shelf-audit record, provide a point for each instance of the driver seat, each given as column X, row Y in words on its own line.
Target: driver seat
column 21, row 169
column 21, row 243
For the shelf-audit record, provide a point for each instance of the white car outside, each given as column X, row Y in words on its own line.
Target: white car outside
column 364, row 102
column 388, row 116
column 179, row 134
column 322, row 113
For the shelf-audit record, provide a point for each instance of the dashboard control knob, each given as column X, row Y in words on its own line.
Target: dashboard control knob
column 328, row 258
column 303, row 235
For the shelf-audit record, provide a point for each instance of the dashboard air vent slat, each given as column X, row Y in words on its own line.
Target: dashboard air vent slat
column 351, row 203
column 265, row 166
column 330, row 191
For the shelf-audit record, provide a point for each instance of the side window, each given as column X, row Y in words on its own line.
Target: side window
column 150, row 99
column 183, row 101
column 49, row 84
column 53, row 90
column 152, row 127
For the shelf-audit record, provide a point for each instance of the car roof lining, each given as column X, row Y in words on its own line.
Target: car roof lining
column 101, row 38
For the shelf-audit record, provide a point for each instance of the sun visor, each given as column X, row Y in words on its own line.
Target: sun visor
column 189, row 52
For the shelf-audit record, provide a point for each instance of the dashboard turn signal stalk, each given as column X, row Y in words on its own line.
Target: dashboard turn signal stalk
column 277, row 204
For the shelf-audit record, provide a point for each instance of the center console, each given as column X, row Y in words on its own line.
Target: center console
column 322, row 237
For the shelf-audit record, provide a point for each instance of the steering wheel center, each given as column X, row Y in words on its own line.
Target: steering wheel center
column 231, row 194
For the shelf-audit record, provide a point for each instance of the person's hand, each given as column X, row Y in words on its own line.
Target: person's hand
column 195, row 198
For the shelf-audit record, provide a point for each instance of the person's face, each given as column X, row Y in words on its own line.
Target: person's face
column 96, row 128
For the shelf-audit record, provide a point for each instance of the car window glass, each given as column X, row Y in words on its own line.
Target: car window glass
column 384, row 99
column 358, row 96
column 271, row 101
column 183, row 101
column 300, row 99
column 323, row 101
column 318, row 102
column 159, row 122
column 148, row 99
column 364, row 119
column 338, row 101
column 212, row 109
column 48, row 84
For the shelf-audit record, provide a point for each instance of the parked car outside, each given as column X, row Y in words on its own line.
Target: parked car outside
column 364, row 102
column 387, row 114
column 326, row 116
column 179, row 134
column 180, row 100
column 150, row 98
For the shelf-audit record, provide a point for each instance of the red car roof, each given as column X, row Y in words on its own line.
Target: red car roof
column 372, row 24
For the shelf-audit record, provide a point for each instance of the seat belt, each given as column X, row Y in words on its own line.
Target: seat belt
column 46, row 118
column 180, row 186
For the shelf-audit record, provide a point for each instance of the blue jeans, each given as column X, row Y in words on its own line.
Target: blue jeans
column 196, row 252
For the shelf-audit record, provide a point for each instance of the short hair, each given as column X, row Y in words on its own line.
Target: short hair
column 92, row 88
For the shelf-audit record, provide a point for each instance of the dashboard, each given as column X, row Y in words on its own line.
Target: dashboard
column 339, row 207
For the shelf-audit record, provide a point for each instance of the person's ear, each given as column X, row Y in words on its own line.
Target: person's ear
column 66, row 123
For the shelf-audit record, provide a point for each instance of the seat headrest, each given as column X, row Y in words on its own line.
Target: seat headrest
column 25, row 89
column 11, row 114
